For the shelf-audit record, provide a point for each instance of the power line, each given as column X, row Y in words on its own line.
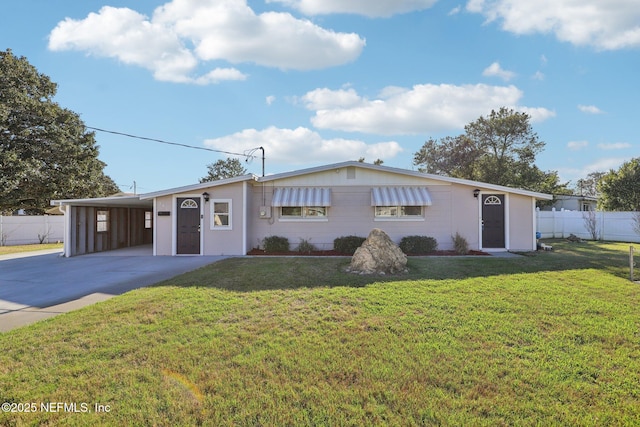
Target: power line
column 248, row 154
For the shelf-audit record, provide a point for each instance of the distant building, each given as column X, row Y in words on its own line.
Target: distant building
column 573, row 203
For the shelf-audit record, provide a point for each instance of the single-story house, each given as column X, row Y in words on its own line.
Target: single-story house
column 233, row 216
column 572, row 203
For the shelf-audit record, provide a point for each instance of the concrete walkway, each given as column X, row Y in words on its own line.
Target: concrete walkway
column 35, row 286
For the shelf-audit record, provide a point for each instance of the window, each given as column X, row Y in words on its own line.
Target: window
column 398, row 211
column 493, row 200
column 148, row 219
column 303, row 212
column 189, row 204
column 221, row 214
column 102, row 221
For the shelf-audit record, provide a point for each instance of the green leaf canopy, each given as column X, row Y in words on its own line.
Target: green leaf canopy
column 45, row 150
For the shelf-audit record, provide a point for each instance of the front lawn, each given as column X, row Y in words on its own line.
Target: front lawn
column 545, row 339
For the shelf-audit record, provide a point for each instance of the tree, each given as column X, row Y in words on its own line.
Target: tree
column 376, row 162
column 498, row 149
column 589, row 186
column 45, row 150
column 619, row 189
column 221, row 169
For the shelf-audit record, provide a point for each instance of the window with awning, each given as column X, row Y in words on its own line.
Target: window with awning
column 301, row 197
column 399, row 202
column 400, row 196
column 302, row 202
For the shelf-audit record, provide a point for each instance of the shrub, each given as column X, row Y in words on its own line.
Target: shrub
column 275, row 244
column 418, row 244
column 305, row 246
column 348, row 244
column 460, row 244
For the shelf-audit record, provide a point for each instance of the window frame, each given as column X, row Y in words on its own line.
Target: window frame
column 398, row 215
column 102, row 223
column 305, row 213
column 228, row 214
column 148, row 220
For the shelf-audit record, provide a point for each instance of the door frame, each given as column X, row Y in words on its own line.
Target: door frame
column 506, row 220
column 174, row 236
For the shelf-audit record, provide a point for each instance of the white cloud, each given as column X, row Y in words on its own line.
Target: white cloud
column 183, row 35
column 577, row 145
column 321, row 99
column 495, row 70
column 601, row 165
column 590, row 109
column 422, row 109
column 456, row 10
column 538, row 75
column 605, row 164
column 303, row 145
column 614, row 146
column 373, row 9
column 602, row 24
column 270, row 99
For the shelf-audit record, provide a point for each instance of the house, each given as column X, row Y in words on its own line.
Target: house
column 572, row 203
column 233, row 216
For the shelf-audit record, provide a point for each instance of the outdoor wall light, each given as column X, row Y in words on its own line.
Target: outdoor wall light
column 206, row 196
column 475, row 193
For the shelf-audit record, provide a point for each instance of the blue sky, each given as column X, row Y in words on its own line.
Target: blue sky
column 323, row 81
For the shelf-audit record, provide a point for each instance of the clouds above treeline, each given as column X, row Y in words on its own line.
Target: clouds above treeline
column 605, row 25
column 208, row 42
column 372, row 9
column 297, row 146
column 422, row 109
column 183, row 35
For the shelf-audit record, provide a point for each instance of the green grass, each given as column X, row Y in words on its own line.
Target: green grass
column 7, row 250
column 545, row 339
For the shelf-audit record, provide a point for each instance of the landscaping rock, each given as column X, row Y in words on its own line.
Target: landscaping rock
column 378, row 255
column 574, row 239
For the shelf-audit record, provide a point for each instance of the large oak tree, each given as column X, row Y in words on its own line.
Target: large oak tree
column 498, row 149
column 46, row 151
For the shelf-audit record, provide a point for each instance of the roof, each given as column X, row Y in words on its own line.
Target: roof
column 197, row 187
column 144, row 200
column 575, row 197
column 118, row 201
column 482, row 185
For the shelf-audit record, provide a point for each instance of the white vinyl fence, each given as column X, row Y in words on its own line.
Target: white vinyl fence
column 613, row 226
column 30, row 229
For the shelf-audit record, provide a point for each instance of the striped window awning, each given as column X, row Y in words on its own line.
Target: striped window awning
column 301, row 196
column 400, row 196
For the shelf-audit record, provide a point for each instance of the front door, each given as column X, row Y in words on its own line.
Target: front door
column 493, row 221
column 188, row 239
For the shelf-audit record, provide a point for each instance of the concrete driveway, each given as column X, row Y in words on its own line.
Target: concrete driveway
column 34, row 287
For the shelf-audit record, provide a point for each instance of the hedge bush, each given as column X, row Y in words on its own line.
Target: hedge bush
column 348, row 244
column 413, row 245
column 273, row 244
column 306, row 247
column 460, row 244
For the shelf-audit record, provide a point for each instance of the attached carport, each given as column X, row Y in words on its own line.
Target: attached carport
column 106, row 223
